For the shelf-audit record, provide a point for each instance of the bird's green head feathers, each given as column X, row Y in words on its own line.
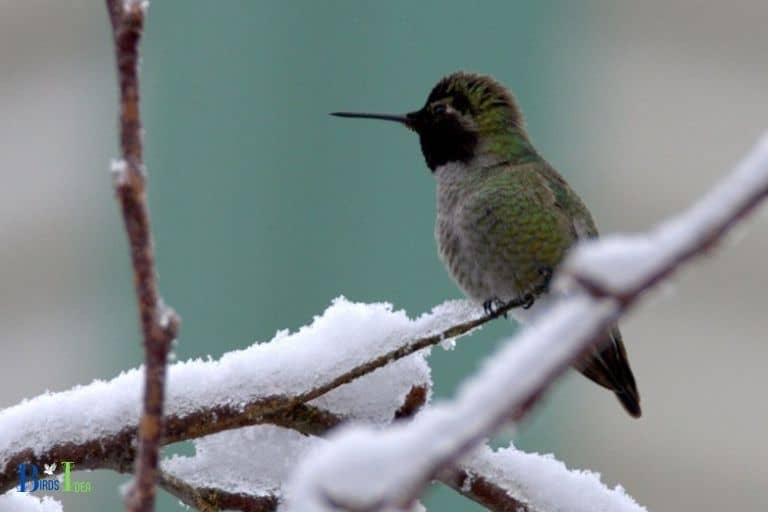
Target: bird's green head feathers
column 466, row 115
column 477, row 101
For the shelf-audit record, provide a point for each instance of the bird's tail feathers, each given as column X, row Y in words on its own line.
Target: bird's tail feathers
column 608, row 366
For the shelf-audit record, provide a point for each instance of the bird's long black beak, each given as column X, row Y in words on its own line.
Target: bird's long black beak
column 405, row 120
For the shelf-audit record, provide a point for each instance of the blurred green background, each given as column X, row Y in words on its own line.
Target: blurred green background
column 264, row 208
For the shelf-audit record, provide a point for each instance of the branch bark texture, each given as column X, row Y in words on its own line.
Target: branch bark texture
column 159, row 324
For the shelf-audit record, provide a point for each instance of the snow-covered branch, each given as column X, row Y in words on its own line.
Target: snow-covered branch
column 538, row 483
column 264, row 383
column 255, row 473
column 366, row 469
column 213, row 499
column 95, row 425
column 484, row 491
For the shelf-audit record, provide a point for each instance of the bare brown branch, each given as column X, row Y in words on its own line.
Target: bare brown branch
column 159, row 324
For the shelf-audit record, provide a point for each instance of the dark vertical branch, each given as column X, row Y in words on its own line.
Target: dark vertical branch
column 159, row 324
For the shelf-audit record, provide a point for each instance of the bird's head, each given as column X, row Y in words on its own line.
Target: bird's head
column 466, row 115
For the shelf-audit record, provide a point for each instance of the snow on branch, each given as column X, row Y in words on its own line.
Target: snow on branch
column 259, row 459
column 207, row 499
column 252, row 461
column 365, row 469
column 95, row 425
column 26, row 502
column 541, row 483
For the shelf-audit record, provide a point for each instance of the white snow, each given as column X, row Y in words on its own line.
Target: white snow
column 257, row 460
column 346, row 335
column 545, row 482
column 361, row 467
column 118, row 165
column 130, row 4
column 623, row 262
column 119, row 169
column 252, row 460
column 14, row 501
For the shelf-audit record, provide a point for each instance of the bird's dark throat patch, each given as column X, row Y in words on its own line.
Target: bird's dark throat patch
column 446, row 140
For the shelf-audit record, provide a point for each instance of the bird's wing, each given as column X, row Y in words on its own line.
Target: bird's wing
column 523, row 220
column 570, row 204
column 607, row 364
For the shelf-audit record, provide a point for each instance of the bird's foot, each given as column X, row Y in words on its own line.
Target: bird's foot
column 546, row 277
column 528, row 300
column 493, row 305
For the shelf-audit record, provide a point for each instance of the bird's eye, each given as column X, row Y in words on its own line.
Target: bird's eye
column 461, row 103
column 439, row 109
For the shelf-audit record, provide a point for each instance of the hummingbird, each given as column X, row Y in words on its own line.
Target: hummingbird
column 505, row 217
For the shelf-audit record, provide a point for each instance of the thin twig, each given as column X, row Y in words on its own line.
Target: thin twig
column 412, row 347
column 159, row 324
